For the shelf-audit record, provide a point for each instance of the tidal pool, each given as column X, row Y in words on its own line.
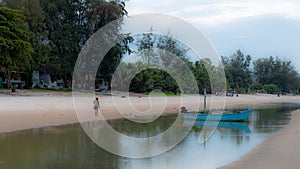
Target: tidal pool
column 68, row 147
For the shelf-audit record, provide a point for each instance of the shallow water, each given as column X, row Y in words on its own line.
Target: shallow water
column 68, row 147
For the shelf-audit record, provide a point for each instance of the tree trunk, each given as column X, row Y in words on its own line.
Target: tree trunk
column 8, row 79
column 9, row 84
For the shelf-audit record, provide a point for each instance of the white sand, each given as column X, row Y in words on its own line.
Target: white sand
column 24, row 112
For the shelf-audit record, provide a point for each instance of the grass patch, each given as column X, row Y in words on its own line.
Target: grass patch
column 50, row 90
column 162, row 94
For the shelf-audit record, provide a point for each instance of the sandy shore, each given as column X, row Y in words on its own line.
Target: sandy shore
column 279, row 151
column 27, row 110
column 33, row 111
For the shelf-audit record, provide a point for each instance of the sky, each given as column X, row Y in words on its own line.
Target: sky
column 260, row 28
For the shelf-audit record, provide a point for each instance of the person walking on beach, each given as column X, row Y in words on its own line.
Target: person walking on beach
column 96, row 106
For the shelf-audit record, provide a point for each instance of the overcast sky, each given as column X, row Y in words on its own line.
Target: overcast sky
column 260, row 28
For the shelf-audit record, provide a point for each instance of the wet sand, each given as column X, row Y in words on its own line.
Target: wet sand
column 279, row 151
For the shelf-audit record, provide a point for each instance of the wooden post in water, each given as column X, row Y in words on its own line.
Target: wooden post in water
column 204, row 92
column 205, row 100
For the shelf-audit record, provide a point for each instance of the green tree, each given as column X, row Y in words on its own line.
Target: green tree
column 276, row 71
column 169, row 55
column 147, row 78
column 170, row 50
column 34, row 21
column 237, row 71
column 201, row 74
column 15, row 48
column 160, row 49
column 271, row 88
column 297, row 85
column 145, row 46
column 71, row 23
column 256, row 86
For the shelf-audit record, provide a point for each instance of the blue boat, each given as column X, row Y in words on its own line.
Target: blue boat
column 239, row 116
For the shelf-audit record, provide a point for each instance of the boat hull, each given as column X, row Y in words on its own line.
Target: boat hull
column 240, row 116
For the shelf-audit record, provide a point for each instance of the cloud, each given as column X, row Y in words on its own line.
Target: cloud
column 258, row 27
column 260, row 36
column 216, row 12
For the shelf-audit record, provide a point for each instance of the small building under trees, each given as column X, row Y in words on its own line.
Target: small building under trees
column 47, row 76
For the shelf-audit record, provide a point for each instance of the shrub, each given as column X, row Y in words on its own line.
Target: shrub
column 271, row 88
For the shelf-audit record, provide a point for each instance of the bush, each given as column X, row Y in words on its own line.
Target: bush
column 256, row 86
column 271, row 88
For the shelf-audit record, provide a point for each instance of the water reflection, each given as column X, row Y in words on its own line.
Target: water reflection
column 137, row 140
column 231, row 125
column 69, row 147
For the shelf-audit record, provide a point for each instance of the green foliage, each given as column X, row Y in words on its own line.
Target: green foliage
column 160, row 49
column 237, row 71
column 169, row 49
column 271, row 88
column 153, row 79
column 34, row 21
column 58, row 29
column 256, row 86
column 71, row 23
column 276, row 71
column 148, row 78
column 146, row 45
column 64, row 90
column 169, row 55
column 15, row 48
column 201, row 74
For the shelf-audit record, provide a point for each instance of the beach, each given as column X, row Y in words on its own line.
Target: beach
column 280, row 150
column 34, row 110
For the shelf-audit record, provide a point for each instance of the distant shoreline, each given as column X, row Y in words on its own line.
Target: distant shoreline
column 42, row 109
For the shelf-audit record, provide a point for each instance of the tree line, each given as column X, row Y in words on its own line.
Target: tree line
column 243, row 75
column 270, row 74
column 35, row 32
